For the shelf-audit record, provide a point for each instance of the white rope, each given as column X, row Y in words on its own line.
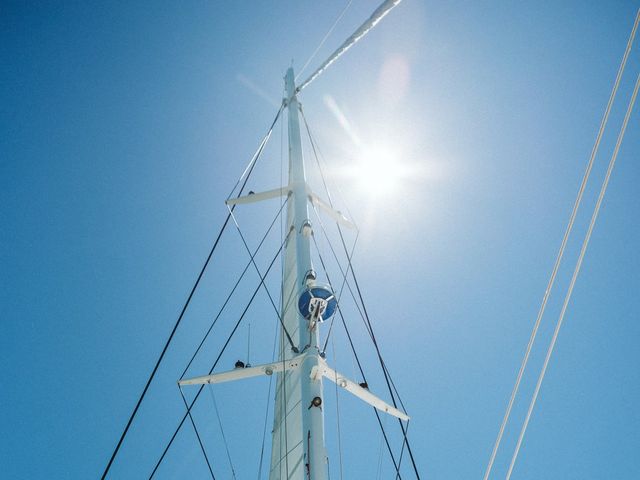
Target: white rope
column 558, row 260
column 344, row 10
column 576, row 271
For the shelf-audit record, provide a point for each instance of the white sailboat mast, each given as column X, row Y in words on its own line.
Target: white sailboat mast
column 298, row 449
column 306, row 404
column 298, row 444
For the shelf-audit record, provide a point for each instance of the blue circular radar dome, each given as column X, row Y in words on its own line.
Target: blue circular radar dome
column 318, row 302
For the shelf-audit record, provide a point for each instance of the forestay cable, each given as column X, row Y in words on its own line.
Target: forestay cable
column 563, row 245
column 318, row 154
column 380, row 457
column 576, row 271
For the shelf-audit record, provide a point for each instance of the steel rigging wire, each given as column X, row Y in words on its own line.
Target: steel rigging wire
column 384, row 8
column 563, row 244
column 215, row 320
column 335, row 383
column 266, row 412
column 378, row 14
column 368, row 326
column 246, row 174
column 574, row 277
column 396, row 465
column 343, row 271
column 365, row 317
column 224, row 438
column 224, row 304
column 215, row 363
column 246, row 246
column 353, row 349
column 345, row 281
column 195, row 429
column 324, row 39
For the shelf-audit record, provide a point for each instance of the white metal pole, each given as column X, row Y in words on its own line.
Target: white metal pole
column 315, row 461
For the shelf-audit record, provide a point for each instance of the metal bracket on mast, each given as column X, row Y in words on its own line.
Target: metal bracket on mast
column 258, row 197
column 241, row 373
column 318, row 371
column 334, row 214
column 286, row 191
column 352, row 387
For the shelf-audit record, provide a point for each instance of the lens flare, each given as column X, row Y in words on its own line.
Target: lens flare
column 378, row 171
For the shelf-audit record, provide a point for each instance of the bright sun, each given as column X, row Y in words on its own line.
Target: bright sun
column 378, row 171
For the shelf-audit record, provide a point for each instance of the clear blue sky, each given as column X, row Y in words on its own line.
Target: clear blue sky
column 125, row 125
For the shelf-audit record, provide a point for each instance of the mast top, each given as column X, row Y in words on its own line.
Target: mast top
column 290, row 83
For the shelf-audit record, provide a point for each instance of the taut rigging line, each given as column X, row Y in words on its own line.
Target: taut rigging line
column 246, row 174
column 563, row 244
column 368, row 326
column 576, row 271
column 215, row 363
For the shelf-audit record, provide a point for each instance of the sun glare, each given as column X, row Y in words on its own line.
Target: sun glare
column 378, row 171
column 375, row 169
